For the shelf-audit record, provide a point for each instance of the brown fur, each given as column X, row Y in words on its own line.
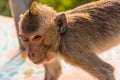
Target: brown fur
column 78, row 35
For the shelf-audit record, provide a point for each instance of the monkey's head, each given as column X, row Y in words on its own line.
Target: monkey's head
column 39, row 32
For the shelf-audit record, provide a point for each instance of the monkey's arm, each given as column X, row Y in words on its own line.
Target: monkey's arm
column 95, row 66
column 52, row 69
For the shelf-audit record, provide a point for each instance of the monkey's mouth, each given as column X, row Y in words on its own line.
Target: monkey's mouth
column 38, row 60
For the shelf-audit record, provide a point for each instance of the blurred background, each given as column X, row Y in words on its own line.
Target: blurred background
column 59, row 5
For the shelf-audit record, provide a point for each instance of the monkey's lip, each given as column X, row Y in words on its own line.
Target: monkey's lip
column 38, row 61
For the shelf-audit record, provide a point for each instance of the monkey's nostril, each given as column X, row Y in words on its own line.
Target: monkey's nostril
column 31, row 55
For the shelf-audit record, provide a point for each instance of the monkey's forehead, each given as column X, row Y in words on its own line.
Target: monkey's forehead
column 30, row 23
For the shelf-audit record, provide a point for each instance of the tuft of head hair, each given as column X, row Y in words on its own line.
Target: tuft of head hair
column 33, row 10
column 36, row 16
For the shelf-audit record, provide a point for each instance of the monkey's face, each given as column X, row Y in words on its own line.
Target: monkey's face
column 37, row 46
column 33, row 46
column 36, row 37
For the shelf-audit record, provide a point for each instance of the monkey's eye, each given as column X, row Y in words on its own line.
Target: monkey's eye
column 24, row 39
column 37, row 37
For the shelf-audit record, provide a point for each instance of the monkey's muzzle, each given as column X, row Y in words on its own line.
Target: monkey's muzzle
column 36, row 58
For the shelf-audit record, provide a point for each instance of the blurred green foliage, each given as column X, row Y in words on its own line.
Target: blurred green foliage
column 59, row 5
column 62, row 5
column 5, row 8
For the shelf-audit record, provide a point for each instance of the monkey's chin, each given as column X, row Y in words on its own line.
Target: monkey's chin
column 39, row 61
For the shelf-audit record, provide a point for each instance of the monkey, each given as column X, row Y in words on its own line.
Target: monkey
column 77, row 35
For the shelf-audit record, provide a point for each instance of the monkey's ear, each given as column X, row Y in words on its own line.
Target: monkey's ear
column 61, row 22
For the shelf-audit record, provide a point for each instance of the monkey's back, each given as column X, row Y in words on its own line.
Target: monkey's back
column 91, row 26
